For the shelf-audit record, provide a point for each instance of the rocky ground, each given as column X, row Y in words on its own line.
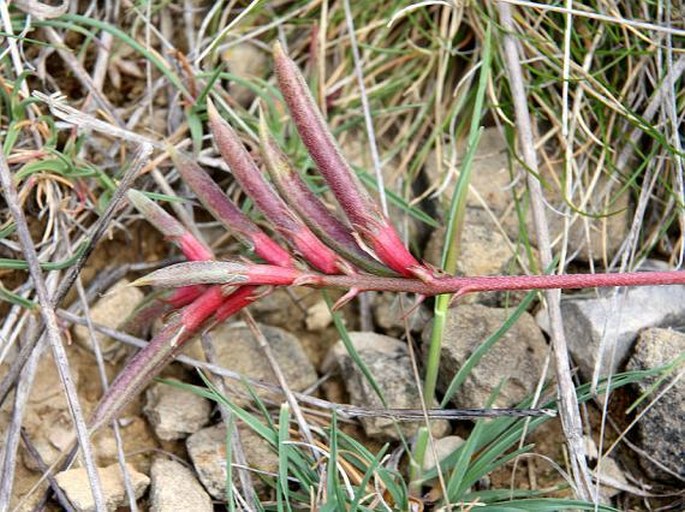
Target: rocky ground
column 175, row 440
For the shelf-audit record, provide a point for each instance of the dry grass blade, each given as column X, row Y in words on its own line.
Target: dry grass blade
column 245, row 477
column 569, row 409
column 91, row 239
column 52, row 332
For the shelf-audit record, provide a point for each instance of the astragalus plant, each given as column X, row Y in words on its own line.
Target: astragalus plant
column 357, row 251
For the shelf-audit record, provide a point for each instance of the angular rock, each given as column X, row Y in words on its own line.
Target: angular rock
column 207, row 450
column 175, row 413
column 74, row 483
column 47, row 405
column 139, row 443
column 282, row 308
column 443, row 448
column 613, row 480
column 608, row 322
column 394, row 313
column 388, row 361
column 111, row 311
column 597, row 231
column 175, row 488
column 660, row 430
column 489, row 175
column 483, row 248
column 517, row 358
column 318, row 316
column 237, row 350
column 246, row 62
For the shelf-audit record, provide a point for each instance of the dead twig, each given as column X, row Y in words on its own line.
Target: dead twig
column 568, row 402
column 47, row 312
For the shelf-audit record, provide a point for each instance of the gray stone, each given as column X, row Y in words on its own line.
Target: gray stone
column 246, row 62
column 74, row 483
column 111, row 311
column 389, row 363
column 483, row 247
column 489, row 176
column 594, row 232
column 517, row 358
column 207, row 450
column 282, row 308
column 175, row 413
column 318, row 316
column 175, row 488
column 443, row 448
column 395, row 313
column 611, row 477
column 47, row 405
column 237, row 349
column 604, row 323
column 660, row 429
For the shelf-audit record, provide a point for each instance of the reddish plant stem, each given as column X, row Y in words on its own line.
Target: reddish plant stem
column 465, row 285
column 245, row 273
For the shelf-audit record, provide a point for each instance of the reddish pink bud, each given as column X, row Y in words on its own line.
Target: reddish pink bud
column 220, row 206
column 362, row 211
column 386, row 243
column 309, row 207
column 242, row 297
column 173, row 230
column 272, row 206
column 183, row 296
column 203, row 307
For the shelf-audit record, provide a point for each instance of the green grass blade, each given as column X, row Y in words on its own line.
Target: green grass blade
column 283, row 457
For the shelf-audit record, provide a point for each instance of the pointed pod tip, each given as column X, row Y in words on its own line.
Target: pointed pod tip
column 263, row 127
column 135, row 195
column 172, row 151
column 212, row 112
column 141, row 281
column 278, row 52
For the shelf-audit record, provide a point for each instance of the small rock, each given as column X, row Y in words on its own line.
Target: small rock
column 175, row 488
column 318, row 316
column 608, row 322
column 394, row 313
column 518, row 357
column 594, row 235
column 443, row 448
column 612, row 479
column 111, row 311
column 660, row 429
column 207, row 450
column 610, row 475
column 483, row 248
column 489, row 174
column 388, row 361
column 282, row 308
column 47, row 405
column 139, row 443
column 237, row 350
column 246, row 62
column 175, row 413
column 74, row 483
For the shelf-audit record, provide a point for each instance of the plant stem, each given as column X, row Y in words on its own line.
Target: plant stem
column 251, row 274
